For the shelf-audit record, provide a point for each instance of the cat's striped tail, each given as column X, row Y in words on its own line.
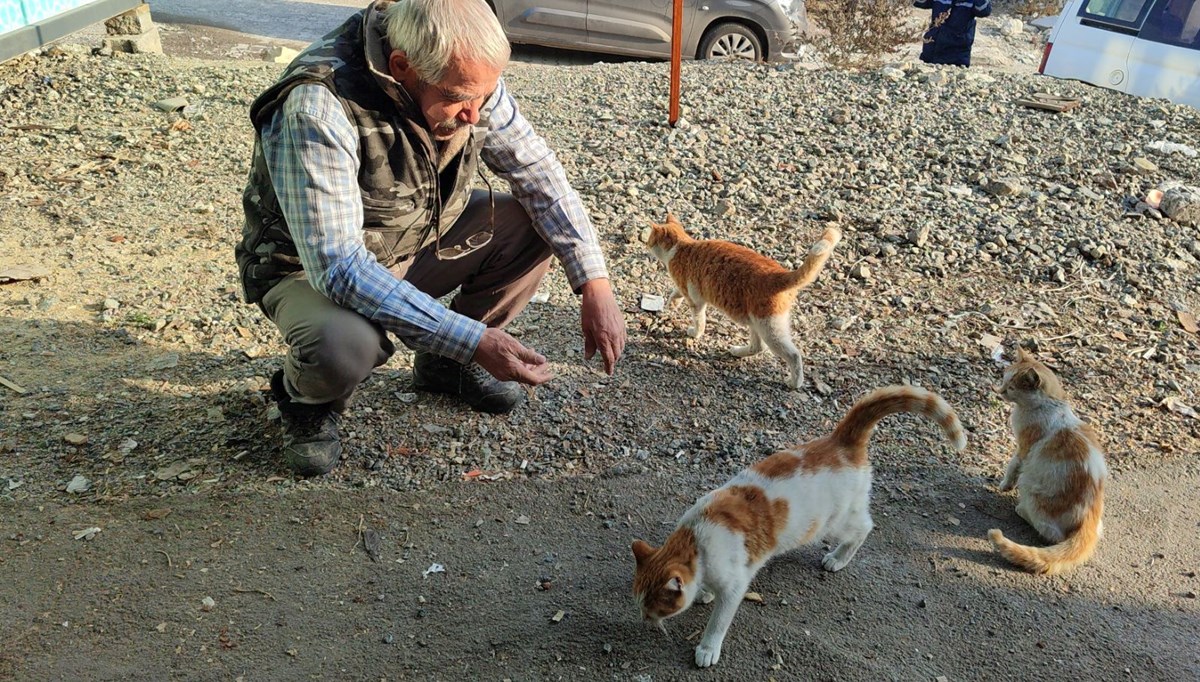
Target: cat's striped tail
column 1068, row 554
column 814, row 262
column 856, row 427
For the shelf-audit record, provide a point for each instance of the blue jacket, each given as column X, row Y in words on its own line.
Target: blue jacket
column 951, row 29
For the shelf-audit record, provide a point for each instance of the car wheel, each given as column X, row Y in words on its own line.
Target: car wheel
column 730, row 41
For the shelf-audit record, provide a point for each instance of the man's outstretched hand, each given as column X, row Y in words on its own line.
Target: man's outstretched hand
column 506, row 359
column 603, row 324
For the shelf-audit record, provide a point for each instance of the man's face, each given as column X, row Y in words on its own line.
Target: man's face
column 452, row 103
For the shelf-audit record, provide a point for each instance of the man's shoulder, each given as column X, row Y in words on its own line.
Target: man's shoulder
column 315, row 100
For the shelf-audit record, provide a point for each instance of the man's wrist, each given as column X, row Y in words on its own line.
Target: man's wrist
column 596, row 286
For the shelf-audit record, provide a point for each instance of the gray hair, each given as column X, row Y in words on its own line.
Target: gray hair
column 432, row 33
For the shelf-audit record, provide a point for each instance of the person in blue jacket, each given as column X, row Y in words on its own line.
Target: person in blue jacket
column 951, row 29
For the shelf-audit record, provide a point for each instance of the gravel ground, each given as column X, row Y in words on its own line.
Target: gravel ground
column 137, row 336
column 968, row 221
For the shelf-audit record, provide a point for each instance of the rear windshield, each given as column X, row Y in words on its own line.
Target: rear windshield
column 1127, row 14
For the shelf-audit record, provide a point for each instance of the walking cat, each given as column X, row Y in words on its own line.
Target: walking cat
column 816, row 490
column 1058, row 470
column 749, row 287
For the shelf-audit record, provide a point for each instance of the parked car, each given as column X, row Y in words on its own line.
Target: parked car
column 760, row 30
column 1149, row 48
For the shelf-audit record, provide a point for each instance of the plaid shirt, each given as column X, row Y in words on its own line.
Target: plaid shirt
column 311, row 148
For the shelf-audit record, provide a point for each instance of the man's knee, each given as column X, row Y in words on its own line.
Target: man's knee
column 338, row 355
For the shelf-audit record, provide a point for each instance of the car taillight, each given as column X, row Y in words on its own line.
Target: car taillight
column 1045, row 56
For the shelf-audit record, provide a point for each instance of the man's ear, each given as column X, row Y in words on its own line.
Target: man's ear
column 399, row 67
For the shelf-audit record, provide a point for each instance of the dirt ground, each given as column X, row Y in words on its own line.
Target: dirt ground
column 229, row 569
column 296, row 598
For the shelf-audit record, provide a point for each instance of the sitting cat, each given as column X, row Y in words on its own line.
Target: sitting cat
column 749, row 287
column 794, row 497
column 1058, row 469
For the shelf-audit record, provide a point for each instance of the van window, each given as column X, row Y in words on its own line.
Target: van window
column 1174, row 22
column 1124, row 16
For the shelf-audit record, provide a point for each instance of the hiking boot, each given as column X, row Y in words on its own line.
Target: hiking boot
column 478, row 388
column 311, row 445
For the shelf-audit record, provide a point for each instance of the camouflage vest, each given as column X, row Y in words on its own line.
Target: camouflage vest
column 406, row 199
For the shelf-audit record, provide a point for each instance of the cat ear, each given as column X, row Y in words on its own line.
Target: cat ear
column 675, row 584
column 1022, row 355
column 671, row 219
column 641, row 550
column 1027, row 380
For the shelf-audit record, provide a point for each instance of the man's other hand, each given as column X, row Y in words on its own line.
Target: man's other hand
column 603, row 324
column 506, row 359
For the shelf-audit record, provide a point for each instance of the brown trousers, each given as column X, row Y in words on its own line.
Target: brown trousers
column 331, row 350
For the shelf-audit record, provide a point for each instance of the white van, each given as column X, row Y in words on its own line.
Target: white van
column 1149, row 48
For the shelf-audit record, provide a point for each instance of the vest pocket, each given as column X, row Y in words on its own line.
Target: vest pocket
column 392, row 230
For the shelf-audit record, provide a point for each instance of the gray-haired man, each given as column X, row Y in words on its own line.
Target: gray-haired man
column 360, row 211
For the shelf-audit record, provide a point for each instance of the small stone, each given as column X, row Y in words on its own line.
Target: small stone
column 1144, row 166
column 918, row 236
column 76, row 439
column 861, row 271
column 1003, row 187
column 207, row 604
column 389, row 638
column 79, row 484
column 754, row 597
column 522, row 520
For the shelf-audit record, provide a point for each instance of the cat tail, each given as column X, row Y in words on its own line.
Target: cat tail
column 856, row 427
column 1064, row 556
column 814, row 262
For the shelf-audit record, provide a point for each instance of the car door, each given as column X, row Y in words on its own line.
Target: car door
column 641, row 27
column 1094, row 45
column 545, row 22
column 1165, row 59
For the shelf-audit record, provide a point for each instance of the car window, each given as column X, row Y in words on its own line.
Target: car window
column 1174, row 22
column 1127, row 14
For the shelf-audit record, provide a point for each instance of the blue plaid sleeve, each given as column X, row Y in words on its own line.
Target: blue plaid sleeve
column 311, row 151
column 519, row 155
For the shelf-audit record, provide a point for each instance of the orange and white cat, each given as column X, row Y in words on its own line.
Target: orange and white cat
column 817, row 490
column 1058, row 470
column 749, row 287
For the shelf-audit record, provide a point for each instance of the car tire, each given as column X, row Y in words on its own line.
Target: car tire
column 730, row 41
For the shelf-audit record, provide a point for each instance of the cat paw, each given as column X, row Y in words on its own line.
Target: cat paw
column 744, row 351
column 795, row 381
column 832, row 563
column 706, row 597
column 1007, row 485
column 694, row 333
column 707, row 655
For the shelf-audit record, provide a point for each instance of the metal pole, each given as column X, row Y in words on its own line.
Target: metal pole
column 676, row 59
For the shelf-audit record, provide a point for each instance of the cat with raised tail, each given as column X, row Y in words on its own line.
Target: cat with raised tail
column 1058, row 471
column 752, row 289
column 814, row 491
